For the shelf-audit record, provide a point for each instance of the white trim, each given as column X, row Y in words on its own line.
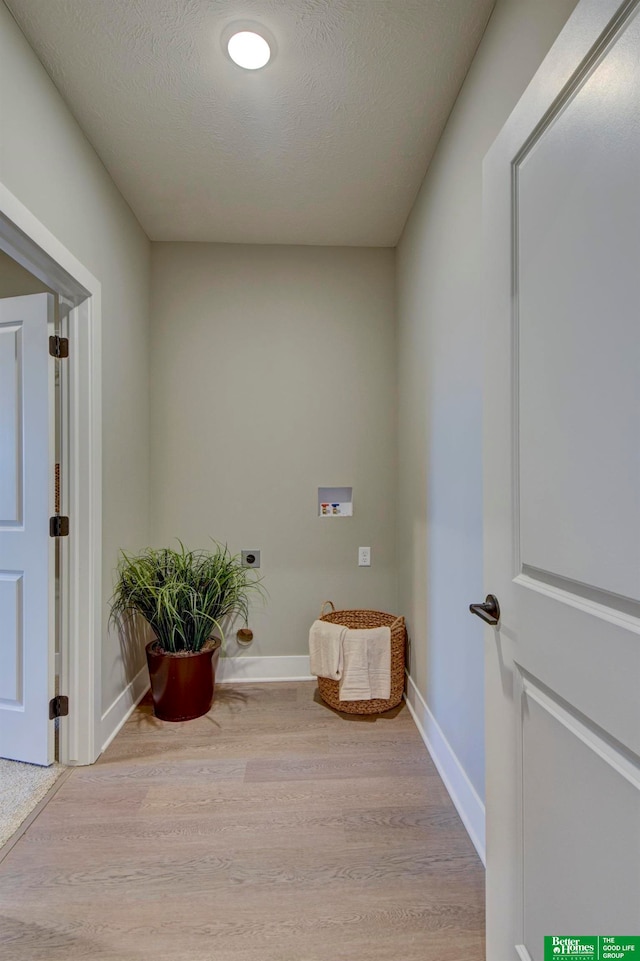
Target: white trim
column 467, row 802
column 116, row 716
column 589, row 606
column 522, row 953
column 247, row 669
column 29, row 242
column 83, row 675
column 65, row 274
column 590, row 738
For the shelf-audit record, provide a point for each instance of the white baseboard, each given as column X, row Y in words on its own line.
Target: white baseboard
column 236, row 669
column 462, row 792
column 240, row 669
column 122, row 708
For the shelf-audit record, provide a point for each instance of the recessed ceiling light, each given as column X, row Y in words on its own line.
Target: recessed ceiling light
column 249, row 50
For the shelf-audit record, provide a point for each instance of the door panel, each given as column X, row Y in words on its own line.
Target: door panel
column 577, row 862
column 576, row 649
column 11, row 475
column 577, row 208
column 562, row 494
column 27, row 635
column 12, row 635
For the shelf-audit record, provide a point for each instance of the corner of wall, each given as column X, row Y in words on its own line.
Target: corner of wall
column 466, row 800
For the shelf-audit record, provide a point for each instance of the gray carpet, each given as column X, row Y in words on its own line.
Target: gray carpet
column 22, row 787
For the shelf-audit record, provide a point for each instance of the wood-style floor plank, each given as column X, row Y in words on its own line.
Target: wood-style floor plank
column 273, row 829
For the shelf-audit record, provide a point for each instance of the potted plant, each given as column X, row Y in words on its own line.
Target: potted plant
column 184, row 596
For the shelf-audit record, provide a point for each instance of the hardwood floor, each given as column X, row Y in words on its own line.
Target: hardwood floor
column 273, row 829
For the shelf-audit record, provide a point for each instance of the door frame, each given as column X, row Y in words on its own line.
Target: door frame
column 26, row 239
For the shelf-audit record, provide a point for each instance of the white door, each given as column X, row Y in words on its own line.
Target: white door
column 27, row 636
column 562, row 494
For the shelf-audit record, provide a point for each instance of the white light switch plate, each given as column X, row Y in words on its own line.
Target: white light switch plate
column 364, row 557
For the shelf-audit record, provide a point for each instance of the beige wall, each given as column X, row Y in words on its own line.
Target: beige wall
column 273, row 373
column 15, row 281
column 48, row 164
column 440, row 347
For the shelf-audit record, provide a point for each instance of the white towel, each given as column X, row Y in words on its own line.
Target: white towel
column 325, row 649
column 366, row 672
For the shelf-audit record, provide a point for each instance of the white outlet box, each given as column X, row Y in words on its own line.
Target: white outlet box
column 335, row 501
column 364, row 557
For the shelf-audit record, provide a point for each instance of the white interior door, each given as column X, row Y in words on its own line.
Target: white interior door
column 562, row 494
column 27, row 636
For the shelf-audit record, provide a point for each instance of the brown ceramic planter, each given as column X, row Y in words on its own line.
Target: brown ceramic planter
column 182, row 684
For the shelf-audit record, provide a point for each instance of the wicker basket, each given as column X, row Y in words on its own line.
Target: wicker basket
column 362, row 620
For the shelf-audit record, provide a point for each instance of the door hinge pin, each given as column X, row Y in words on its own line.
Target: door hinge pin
column 58, row 526
column 59, row 347
column 58, row 706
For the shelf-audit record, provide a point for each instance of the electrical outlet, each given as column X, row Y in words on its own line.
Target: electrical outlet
column 250, row 558
column 364, row 557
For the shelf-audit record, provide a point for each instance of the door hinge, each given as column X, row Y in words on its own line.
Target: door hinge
column 59, row 346
column 58, row 706
column 58, row 526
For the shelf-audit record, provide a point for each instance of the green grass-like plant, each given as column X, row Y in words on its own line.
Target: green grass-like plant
column 183, row 595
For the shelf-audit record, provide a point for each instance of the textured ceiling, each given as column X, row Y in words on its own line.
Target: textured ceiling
column 326, row 145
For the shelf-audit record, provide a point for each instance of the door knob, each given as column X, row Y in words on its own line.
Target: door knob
column 489, row 611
